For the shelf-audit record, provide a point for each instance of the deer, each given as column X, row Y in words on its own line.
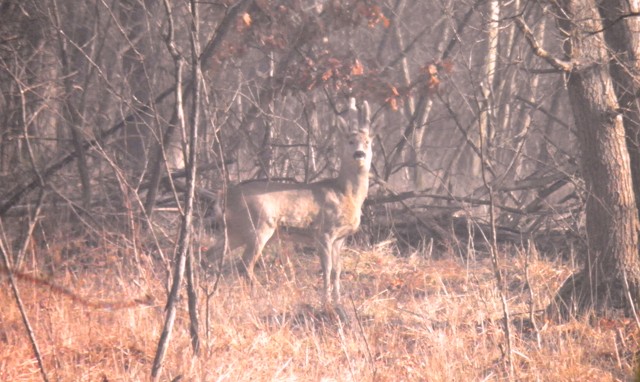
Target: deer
column 324, row 213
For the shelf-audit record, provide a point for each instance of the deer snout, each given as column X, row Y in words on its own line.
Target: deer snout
column 358, row 155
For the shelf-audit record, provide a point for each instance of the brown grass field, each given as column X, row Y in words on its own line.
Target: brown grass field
column 414, row 317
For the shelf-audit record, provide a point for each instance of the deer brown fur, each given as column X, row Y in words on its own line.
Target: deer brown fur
column 326, row 211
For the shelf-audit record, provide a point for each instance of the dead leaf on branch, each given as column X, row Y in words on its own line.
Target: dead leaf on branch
column 328, row 74
column 393, row 103
column 246, row 18
column 376, row 16
column 432, row 76
column 357, row 69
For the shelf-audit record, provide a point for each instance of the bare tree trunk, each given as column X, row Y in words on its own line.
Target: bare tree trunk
column 192, row 299
column 487, row 101
column 136, row 133
column 70, row 109
column 412, row 155
column 512, row 124
column 623, row 37
column 184, row 240
column 419, row 116
column 158, row 163
column 311, row 113
column 611, row 273
column 265, row 156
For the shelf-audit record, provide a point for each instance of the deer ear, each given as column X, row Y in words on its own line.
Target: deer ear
column 342, row 125
column 354, row 123
column 349, row 124
column 364, row 117
column 358, row 118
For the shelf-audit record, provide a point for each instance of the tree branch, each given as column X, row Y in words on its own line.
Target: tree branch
column 564, row 66
column 614, row 22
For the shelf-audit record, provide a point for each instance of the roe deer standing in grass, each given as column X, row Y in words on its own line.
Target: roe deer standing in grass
column 326, row 211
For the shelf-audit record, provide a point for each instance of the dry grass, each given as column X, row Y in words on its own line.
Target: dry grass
column 413, row 319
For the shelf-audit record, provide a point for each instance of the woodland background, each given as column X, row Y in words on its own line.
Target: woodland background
column 505, row 136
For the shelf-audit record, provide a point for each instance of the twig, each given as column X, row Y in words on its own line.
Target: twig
column 538, row 107
column 73, row 296
column 532, row 303
column 494, row 257
column 208, row 294
column 401, row 196
column 437, row 229
column 196, row 78
column 632, row 304
column 565, row 66
column 34, row 221
column 614, row 22
column 364, row 338
column 184, row 239
column 23, row 313
column 192, row 297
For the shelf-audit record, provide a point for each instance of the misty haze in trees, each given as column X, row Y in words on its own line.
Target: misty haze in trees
column 532, row 103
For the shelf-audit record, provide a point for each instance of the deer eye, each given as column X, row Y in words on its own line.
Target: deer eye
column 351, row 142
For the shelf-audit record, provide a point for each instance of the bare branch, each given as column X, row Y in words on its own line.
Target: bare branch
column 23, row 313
column 614, row 22
column 564, row 66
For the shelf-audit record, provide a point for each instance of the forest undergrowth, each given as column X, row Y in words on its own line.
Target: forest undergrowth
column 422, row 315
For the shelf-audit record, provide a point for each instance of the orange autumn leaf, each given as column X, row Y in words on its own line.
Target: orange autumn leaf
column 385, row 21
column 432, row 76
column 376, row 16
column 433, row 82
column 246, row 18
column 357, row 69
column 393, row 103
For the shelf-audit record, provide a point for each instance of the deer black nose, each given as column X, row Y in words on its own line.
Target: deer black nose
column 359, row 155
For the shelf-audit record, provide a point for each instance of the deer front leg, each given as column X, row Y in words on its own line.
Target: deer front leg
column 337, row 269
column 325, row 248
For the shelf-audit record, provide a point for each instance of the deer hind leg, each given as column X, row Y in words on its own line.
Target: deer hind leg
column 254, row 248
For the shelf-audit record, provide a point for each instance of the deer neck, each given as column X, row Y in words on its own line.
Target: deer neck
column 354, row 183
